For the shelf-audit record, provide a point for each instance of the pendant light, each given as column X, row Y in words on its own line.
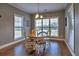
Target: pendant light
column 41, row 16
column 37, row 14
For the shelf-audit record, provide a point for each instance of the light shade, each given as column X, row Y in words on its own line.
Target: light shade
column 41, row 16
column 37, row 16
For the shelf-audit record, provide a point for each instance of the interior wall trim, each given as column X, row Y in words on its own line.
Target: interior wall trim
column 73, row 54
column 58, row 39
column 11, row 43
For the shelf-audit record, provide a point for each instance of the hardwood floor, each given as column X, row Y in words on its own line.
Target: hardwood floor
column 56, row 48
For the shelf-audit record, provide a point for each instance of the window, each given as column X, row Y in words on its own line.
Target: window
column 54, row 26
column 47, row 27
column 18, row 26
column 38, row 26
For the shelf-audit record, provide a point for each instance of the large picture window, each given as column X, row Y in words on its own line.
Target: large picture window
column 18, row 26
column 47, row 27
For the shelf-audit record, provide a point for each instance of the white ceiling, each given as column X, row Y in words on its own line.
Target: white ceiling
column 43, row 7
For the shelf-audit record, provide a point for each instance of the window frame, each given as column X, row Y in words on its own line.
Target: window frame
column 20, row 27
column 58, row 25
column 49, row 25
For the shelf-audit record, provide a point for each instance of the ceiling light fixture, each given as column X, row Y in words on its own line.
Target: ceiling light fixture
column 37, row 15
column 41, row 16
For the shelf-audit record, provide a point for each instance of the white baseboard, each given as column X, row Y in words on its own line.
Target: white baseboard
column 11, row 43
column 58, row 39
column 69, row 48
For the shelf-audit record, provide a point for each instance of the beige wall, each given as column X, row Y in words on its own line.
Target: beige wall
column 7, row 23
column 77, row 29
column 59, row 14
column 69, row 29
